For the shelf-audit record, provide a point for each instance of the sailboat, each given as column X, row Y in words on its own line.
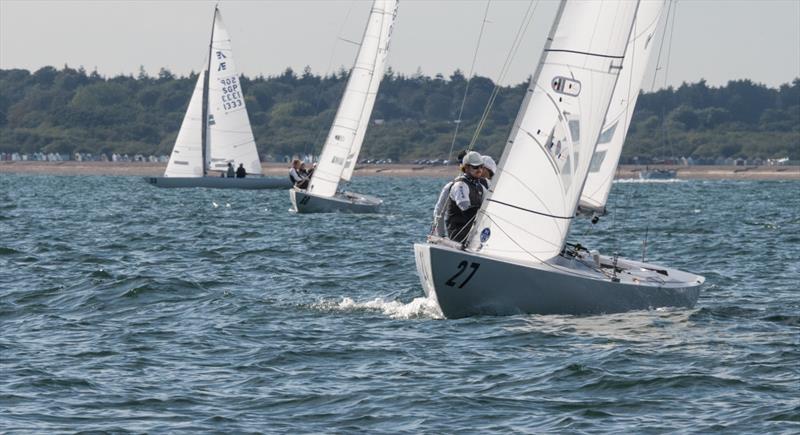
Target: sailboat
column 216, row 130
column 516, row 259
column 658, row 174
column 343, row 144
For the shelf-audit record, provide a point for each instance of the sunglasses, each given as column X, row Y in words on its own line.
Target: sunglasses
column 475, row 167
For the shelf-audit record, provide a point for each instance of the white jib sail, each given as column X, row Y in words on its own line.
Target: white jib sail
column 349, row 127
column 186, row 159
column 544, row 165
column 229, row 133
column 612, row 137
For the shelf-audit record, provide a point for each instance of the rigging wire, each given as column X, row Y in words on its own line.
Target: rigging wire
column 666, row 75
column 469, row 80
column 523, row 28
column 339, row 37
column 665, row 35
column 625, row 117
column 660, row 49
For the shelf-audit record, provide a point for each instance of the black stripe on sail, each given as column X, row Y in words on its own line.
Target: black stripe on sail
column 584, row 53
column 529, row 211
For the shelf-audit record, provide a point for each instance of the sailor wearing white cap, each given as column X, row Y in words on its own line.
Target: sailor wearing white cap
column 466, row 196
column 489, row 168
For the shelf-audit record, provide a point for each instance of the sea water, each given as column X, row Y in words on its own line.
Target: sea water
column 128, row 308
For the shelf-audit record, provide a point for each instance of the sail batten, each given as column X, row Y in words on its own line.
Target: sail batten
column 544, row 165
column 346, row 135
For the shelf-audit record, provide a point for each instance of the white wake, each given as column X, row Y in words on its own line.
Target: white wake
column 419, row 308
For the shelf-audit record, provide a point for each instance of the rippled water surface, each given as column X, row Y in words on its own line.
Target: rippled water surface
column 124, row 307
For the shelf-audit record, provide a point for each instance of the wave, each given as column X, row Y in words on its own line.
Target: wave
column 419, row 308
column 8, row 251
column 787, row 320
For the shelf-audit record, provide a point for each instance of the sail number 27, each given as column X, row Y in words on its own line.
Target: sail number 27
column 462, row 267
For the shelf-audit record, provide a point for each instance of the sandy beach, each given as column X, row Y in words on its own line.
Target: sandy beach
column 397, row 170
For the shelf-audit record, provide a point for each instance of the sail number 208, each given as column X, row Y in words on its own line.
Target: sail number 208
column 462, row 267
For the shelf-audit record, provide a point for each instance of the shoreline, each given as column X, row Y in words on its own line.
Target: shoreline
column 72, row 168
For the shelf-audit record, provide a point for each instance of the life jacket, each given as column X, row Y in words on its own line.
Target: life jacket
column 457, row 220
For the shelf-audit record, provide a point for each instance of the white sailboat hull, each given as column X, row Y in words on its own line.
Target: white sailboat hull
column 466, row 284
column 220, row 182
column 344, row 202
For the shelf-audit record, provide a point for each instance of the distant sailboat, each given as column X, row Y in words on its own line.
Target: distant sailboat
column 216, row 129
column 658, row 174
column 516, row 259
column 343, row 144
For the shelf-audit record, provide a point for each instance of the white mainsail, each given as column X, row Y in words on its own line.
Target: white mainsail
column 346, row 135
column 377, row 75
column 546, row 159
column 609, row 145
column 186, row 159
column 230, row 137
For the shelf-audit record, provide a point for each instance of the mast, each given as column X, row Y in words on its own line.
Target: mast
column 204, row 133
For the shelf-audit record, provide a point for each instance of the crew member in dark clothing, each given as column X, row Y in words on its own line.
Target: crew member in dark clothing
column 297, row 175
column 240, row 171
column 305, row 172
column 438, row 227
column 466, row 196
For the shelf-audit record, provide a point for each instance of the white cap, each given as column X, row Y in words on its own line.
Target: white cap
column 472, row 159
column 489, row 164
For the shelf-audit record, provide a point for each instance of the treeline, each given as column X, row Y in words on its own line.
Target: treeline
column 70, row 110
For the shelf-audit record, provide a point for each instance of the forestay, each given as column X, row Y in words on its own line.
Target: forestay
column 546, row 159
column 186, row 159
column 609, row 145
column 229, row 134
column 346, row 135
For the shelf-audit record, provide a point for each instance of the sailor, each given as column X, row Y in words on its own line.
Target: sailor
column 438, row 211
column 489, row 168
column 294, row 174
column 231, row 173
column 305, row 172
column 241, row 172
column 466, row 196
column 297, row 175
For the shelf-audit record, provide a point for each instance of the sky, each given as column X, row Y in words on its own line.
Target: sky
column 716, row 40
